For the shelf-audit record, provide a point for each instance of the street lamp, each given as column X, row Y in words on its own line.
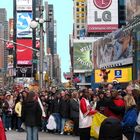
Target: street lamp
column 34, row 24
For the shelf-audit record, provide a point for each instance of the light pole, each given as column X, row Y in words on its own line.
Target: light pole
column 34, row 25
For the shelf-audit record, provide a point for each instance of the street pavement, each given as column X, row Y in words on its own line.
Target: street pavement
column 13, row 135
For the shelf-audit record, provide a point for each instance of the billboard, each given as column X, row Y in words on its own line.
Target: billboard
column 82, row 53
column 102, row 15
column 24, row 5
column 11, row 29
column 10, row 65
column 24, row 55
column 23, row 25
column 132, row 9
column 122, row 75
column 114, row 49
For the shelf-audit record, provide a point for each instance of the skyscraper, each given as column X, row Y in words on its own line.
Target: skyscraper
column 4, row 25
column 79, row 12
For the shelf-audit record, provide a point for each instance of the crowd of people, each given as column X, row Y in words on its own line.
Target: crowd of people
column 35, row 110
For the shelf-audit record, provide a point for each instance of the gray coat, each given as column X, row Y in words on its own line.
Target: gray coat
column 74, row 108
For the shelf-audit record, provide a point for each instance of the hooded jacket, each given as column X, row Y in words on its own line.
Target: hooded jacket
column 31, row 114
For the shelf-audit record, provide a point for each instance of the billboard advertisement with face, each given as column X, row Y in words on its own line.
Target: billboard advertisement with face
column 82, row 56
column 24, row 55
column 23, row 24
column 24, row 5
column 116, row 48
column 102, row 15
column 132, row 9
column 118, row 74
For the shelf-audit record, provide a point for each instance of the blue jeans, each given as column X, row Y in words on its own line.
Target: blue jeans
column 32, row 133
column 63, row 120
column 44, row 123
column 7, row 120
column 57, row 120
column 19, row 122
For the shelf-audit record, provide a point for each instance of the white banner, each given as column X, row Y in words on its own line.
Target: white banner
column 24, row 5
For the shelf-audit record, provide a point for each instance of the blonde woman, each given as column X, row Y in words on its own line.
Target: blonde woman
column 130, row 117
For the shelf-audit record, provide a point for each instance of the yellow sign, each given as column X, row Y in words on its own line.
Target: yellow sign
column 120, row 74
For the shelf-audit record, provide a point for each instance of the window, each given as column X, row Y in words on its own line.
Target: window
column 78, row 26
column 77, row 9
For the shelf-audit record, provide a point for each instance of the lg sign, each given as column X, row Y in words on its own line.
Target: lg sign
column 102, row 15
column 102, row 4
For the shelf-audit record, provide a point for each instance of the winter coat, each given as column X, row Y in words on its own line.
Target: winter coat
column 101, row 104
column 18, row 108
column 31, row 113
column 85, row 113
column 2, row 131
column 65, row 108
column 112, row 110
column 56, row 106
column 130, row 117
column 110, row 129
column 129, row 122
column 74, row 108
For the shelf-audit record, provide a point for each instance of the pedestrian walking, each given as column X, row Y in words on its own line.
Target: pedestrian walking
column 31, row 116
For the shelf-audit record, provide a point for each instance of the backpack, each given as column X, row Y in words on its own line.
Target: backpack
column 110, row 129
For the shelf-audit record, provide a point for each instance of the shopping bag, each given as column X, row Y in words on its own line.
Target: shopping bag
column 68, row 127
column 97, row 119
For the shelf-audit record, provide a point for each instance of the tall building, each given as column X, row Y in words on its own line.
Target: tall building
column 49, row 26
column 55, row 37
column 4, row 23
column 57, row 68
column 1, row 47
column 122, row 11
column 79, row 15
column 49, row 16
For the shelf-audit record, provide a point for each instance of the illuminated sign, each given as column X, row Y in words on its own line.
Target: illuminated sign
column 23, row 25
column 24, row 55
column 120, row 74
column 24, row 5
column 102, row 15
column 82, row 56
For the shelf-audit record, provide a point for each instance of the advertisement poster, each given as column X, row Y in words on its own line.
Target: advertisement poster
column 102, row 15
column 10, row 65
column 24, row 5
column 82, row 56
column 122, row 75
column 11, row 29
column 116, row 48
column 23, row 25
column 132, row 9
column 24, row 55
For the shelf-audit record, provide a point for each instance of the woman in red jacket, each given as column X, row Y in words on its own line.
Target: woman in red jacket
column 85, row 116
column 2, row 131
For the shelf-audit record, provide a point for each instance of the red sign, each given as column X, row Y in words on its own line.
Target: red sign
column 24, row 54
column 9, row 45
column 102, row 4
column 37, row 43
